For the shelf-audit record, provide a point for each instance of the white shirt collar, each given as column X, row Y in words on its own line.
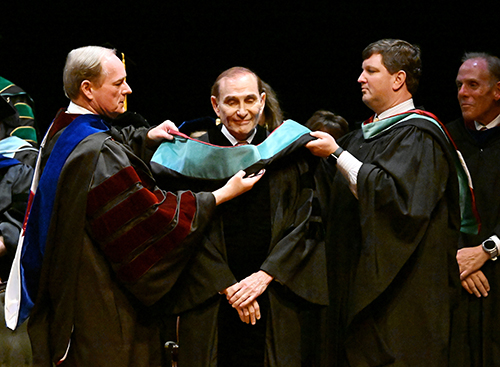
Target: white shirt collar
column 400, row 108
column 492, row 124
column 233, row 140
column 75, row 109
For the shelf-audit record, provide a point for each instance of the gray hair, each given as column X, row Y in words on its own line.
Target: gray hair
column 493, row 63
column 84, row 63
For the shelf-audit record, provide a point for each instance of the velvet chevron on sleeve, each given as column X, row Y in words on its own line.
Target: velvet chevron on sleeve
column 115, row 247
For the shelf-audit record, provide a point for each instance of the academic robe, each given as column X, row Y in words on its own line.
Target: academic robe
column 15, row 180
column 481, row 151
column 294, row 256
column 20, row 120
column 115, row 246
column 393, row 276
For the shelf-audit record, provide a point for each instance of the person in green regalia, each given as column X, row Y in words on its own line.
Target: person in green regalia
column 393, row 224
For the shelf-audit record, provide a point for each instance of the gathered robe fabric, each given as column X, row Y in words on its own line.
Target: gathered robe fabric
column 481, row 151
column 115, row 247
column 15, row 180
column 393, row 277
column 293, row 255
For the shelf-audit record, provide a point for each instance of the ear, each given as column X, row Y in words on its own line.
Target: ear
column 263, row 100
column 496, row 92
column 399, row 80
column 215, row 105
column 86, row 89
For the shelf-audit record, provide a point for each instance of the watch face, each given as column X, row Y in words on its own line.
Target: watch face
column 489, row 245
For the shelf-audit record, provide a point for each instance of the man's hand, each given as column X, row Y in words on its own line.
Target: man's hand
column 471, row 259
column 159, row 133
column 323, row 146
column 237, row 185
column 477, row 284
column 249, row 314
column 249, row 289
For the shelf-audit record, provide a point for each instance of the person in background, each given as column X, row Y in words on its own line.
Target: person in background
column 477, row 135
column 17, row 122
column 329, row 122
column 15, row 182
column 272, row 116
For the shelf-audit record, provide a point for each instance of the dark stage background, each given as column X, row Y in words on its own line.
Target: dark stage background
column 309, row 51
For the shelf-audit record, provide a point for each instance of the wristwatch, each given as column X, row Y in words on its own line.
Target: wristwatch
column 335, row 155
column 490, row 247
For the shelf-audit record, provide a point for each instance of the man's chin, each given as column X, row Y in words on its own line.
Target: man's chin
column 241, row 134
column 468, row 115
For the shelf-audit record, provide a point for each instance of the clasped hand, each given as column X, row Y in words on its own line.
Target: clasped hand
column 470, row 260
column 243, row 296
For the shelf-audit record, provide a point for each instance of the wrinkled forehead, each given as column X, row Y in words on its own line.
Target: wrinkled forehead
column 474, row 69
column 240, row 85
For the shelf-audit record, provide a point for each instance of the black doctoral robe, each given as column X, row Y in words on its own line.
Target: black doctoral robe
column 294, row 256
column 481, row 151
column 393, row 277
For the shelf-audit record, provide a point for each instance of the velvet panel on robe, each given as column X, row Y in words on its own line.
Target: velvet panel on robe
column 99, row 287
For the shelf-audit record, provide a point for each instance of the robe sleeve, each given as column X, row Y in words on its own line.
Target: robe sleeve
column 146, row 233
column 297, row 254
column 398, row 193
column 14, row 192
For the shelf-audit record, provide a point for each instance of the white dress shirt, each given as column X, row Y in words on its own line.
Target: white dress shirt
column 75, row 109
column 492, row 124
column 235, row 141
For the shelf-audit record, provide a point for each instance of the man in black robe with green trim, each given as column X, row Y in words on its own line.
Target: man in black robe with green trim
column 262, row 262
column 393, row 226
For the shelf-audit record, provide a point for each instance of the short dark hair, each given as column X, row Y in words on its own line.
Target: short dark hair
column 329, row 122
column 493, row 63
column 229, row 73
column 398, row 55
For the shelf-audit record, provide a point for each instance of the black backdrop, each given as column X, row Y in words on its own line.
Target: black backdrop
column 308, row 51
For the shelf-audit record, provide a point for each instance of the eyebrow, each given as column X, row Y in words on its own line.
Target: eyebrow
column 231, row 96
column 120, row 79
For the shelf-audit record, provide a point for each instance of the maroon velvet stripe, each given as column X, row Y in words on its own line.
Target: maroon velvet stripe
column 132, row 207
column 119, row 249
column 61, row 121
column 111, row 188
column 132, row 271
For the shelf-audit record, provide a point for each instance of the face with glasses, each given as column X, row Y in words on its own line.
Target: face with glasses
column 239, row 104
